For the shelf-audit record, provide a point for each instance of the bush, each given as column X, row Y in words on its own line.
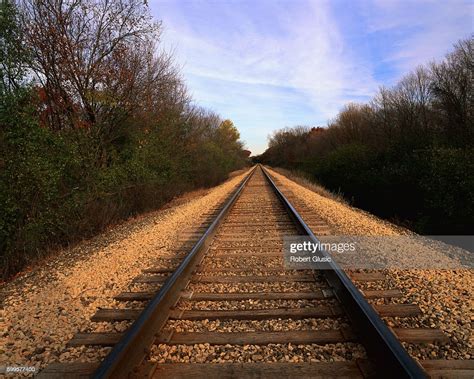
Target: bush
column 447, row 185
column 83, row 145
column 54, row 191
column 429, row 190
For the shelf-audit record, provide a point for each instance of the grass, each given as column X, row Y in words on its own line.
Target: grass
column 306, row 181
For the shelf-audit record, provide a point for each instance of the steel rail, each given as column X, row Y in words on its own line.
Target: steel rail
column 387, row 353
column 129, row 352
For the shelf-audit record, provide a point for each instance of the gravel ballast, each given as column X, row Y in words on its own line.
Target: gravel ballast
column 444, row 295
column 42, row 309
column 206, row 353
column 273, row 325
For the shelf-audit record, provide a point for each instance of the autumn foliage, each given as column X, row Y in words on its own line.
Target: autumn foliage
column 96, row 123
column 408, row 155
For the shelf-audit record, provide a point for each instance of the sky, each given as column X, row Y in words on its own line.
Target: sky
column 269, row 64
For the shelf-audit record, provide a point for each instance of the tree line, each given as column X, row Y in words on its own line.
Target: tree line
column 96, row 123
column 407, row 155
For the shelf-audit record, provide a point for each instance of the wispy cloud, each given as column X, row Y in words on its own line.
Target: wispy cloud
column 270, row 64
column 423, row 30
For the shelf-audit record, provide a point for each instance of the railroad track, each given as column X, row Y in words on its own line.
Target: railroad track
column 227, row 284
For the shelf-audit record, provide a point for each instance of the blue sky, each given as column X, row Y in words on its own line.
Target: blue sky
column 267, row 64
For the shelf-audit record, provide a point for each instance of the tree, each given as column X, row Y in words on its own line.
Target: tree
column 452, row 87
column 78, row 49
column 13, row 53
column 228, row 134
column 411, row 145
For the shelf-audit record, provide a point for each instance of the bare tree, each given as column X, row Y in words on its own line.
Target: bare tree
column 77, row 47
column 452, row 87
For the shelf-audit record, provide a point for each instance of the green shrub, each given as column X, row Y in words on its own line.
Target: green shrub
column 447, row 185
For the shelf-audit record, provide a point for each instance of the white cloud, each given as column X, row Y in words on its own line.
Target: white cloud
column 307, row 56
column 273, row 64
column 428, row 28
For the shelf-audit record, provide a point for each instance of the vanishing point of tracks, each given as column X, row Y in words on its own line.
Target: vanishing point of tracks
column 231, row 269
